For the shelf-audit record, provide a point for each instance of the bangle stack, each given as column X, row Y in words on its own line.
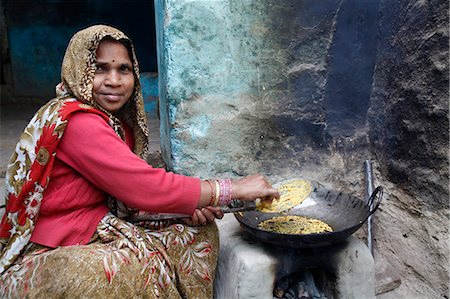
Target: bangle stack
column 225, row 194
column 216, row 201
column 220, row 192
column 213, row 193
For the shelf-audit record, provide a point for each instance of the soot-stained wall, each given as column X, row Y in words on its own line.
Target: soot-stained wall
column 265, row 86
column 409, row 134
column 410, row 101
column 313, row 88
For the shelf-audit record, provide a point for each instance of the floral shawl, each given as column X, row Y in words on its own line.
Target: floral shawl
column 30, row 166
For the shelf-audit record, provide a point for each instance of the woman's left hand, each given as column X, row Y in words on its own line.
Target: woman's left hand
column 204, row 216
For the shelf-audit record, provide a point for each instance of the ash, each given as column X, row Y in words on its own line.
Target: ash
column 298, row 285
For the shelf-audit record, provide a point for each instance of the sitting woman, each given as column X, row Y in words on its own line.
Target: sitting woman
column 79, row 173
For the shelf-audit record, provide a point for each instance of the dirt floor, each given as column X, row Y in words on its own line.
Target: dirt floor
column 414, row 242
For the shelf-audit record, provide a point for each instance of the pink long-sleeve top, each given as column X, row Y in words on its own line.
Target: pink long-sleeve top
column 91, row 162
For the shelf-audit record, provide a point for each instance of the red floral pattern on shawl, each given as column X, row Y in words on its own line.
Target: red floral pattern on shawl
column 29, row 171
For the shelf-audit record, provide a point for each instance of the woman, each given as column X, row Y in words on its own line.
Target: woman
column 79, row 171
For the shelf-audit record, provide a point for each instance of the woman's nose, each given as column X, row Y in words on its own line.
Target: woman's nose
column 113, row 78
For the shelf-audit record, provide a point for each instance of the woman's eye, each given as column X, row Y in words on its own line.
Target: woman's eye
column 99, row 68
column 125, row 69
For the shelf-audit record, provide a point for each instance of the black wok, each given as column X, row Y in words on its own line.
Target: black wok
column 343, row 212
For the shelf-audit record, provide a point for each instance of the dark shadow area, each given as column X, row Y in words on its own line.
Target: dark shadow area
column 38, row 33
column 351, row 62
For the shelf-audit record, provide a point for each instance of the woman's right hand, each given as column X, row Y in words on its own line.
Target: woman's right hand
column 253, row 187
column 245, row 189
column 203, row 216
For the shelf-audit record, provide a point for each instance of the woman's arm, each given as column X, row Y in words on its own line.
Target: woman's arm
column 247, row 188
column 93, row 149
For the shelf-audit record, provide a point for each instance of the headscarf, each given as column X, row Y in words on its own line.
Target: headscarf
column 30, row 166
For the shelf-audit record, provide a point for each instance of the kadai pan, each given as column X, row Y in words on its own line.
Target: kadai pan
column 344, row 213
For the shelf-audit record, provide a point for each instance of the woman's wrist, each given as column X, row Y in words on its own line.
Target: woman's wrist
column 225, row 196
column 206, row 194
column 213, row 192
column 235, row 189
column 217, row 192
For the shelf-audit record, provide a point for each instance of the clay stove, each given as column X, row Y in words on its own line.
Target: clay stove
column 250, row 269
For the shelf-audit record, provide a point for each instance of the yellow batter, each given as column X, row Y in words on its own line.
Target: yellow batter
column 294, row 225
column 292, row 193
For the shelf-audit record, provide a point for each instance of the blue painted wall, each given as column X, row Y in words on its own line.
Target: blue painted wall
column 279, row 87
column 38, row 33
column 149, row 84
column 36, row 54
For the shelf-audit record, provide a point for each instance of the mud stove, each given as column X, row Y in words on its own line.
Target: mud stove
column 248, row 268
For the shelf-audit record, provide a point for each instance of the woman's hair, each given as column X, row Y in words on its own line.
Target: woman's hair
column 123, row 41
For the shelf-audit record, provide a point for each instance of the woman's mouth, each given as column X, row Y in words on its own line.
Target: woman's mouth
column 112, row 97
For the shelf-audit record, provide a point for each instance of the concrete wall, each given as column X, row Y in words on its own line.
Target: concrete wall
column 409, row 106
column 409, row 133
column 265, row 86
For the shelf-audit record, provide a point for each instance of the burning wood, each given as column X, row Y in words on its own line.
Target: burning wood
column 298, row 285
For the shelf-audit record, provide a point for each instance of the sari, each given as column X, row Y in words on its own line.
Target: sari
column 153, row 259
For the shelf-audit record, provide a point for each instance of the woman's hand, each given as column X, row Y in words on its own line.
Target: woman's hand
column 245, row 189
column 203, row 216
column 252, row 187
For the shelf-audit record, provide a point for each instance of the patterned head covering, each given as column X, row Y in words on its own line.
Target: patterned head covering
column 77, row 75
column 29, row 168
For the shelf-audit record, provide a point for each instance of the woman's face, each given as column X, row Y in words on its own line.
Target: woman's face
column 114, row 78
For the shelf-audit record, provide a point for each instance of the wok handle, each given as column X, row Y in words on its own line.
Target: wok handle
column 376, row 198
column 170, row 216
